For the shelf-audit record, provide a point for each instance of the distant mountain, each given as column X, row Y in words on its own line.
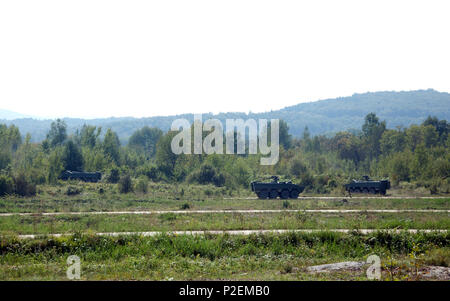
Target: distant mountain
column 10, row 115
column 322, row 117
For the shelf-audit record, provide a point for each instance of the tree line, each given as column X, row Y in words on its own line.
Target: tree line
column 417, row 154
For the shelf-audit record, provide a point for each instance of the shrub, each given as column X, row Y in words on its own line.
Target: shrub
column 332, row 183
column 125, row 184
column 6, row 185
column 297, row 168
column 151, row 171
column 207, row 175
column 439, row 257
column 113, row 175
column 23, row 187
column 72, row 190
column 185, row 206
column 142, row 184
column 433, row 187
column 307, row 180
column 167, row 216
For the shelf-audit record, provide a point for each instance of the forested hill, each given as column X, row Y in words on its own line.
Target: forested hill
column 322, row 117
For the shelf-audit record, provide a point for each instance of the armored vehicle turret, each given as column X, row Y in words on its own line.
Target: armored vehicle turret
column 274, row 189
column 366, row 185
column 82, row 176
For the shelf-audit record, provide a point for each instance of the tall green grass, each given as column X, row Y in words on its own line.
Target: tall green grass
column 165, row 257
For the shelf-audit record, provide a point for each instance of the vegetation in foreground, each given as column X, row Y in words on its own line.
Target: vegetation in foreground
column 254, row 257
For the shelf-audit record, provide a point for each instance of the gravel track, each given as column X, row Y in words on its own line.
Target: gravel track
column 239, row 232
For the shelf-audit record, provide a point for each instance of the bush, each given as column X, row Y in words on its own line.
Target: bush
column 207, row 175
column 438, row 257
column 307, row 180
column 23, row 187
column 113, row 175
column 185, row 206
column 297, row 168
column 72, row 190
column 151, row 171
column 125, row 184
column 142, row 184
column 6, row 185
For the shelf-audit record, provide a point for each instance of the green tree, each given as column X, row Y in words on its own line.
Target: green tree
column 165, row 158
column 373, row 130
column 125, row 184
column 72, row 158
column 111, row 146
column 441, row 126
column 56, row 164
column 347, row 146
column 58, row 133
column 144, row 140
column 285, row 137
column 392, row 141
column 400, row 170
column 297, row 168
column 89, row 135
column 94, row 159
column 430, row 136
column 414, row 136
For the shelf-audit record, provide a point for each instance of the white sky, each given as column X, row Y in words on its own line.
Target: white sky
column 146, row 58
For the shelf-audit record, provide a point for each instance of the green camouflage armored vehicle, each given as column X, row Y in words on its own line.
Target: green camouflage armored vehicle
column 82, row 176
column 366, row 185
column 274, row 189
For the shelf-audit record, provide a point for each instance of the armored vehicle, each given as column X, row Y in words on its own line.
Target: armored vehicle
column 274, row 189
column 366, row 185
column 82, row 176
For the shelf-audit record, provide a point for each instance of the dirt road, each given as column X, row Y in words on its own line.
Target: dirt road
column 238, row 232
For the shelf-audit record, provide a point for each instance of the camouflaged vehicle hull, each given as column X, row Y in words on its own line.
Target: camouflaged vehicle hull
column 284, row 190
column 81, row 176
column 369, row 186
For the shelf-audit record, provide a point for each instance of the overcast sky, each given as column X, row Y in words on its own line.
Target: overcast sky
column 145, row 58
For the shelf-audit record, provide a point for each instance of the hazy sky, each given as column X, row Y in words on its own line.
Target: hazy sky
column 145, row 58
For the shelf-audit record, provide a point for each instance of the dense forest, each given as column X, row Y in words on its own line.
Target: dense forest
column 418, row 154
column 327, row 116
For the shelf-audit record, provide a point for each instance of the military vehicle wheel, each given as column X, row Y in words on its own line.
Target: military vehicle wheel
column 372, row 191
column 294, row 194
column 284, row 194
column 273, row 194
column 365, row 190
column 263, row 194
column 383, row 192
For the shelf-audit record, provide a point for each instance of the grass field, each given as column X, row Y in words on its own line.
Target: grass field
column 256, row 257
column 220, row 221
column 182, row 257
